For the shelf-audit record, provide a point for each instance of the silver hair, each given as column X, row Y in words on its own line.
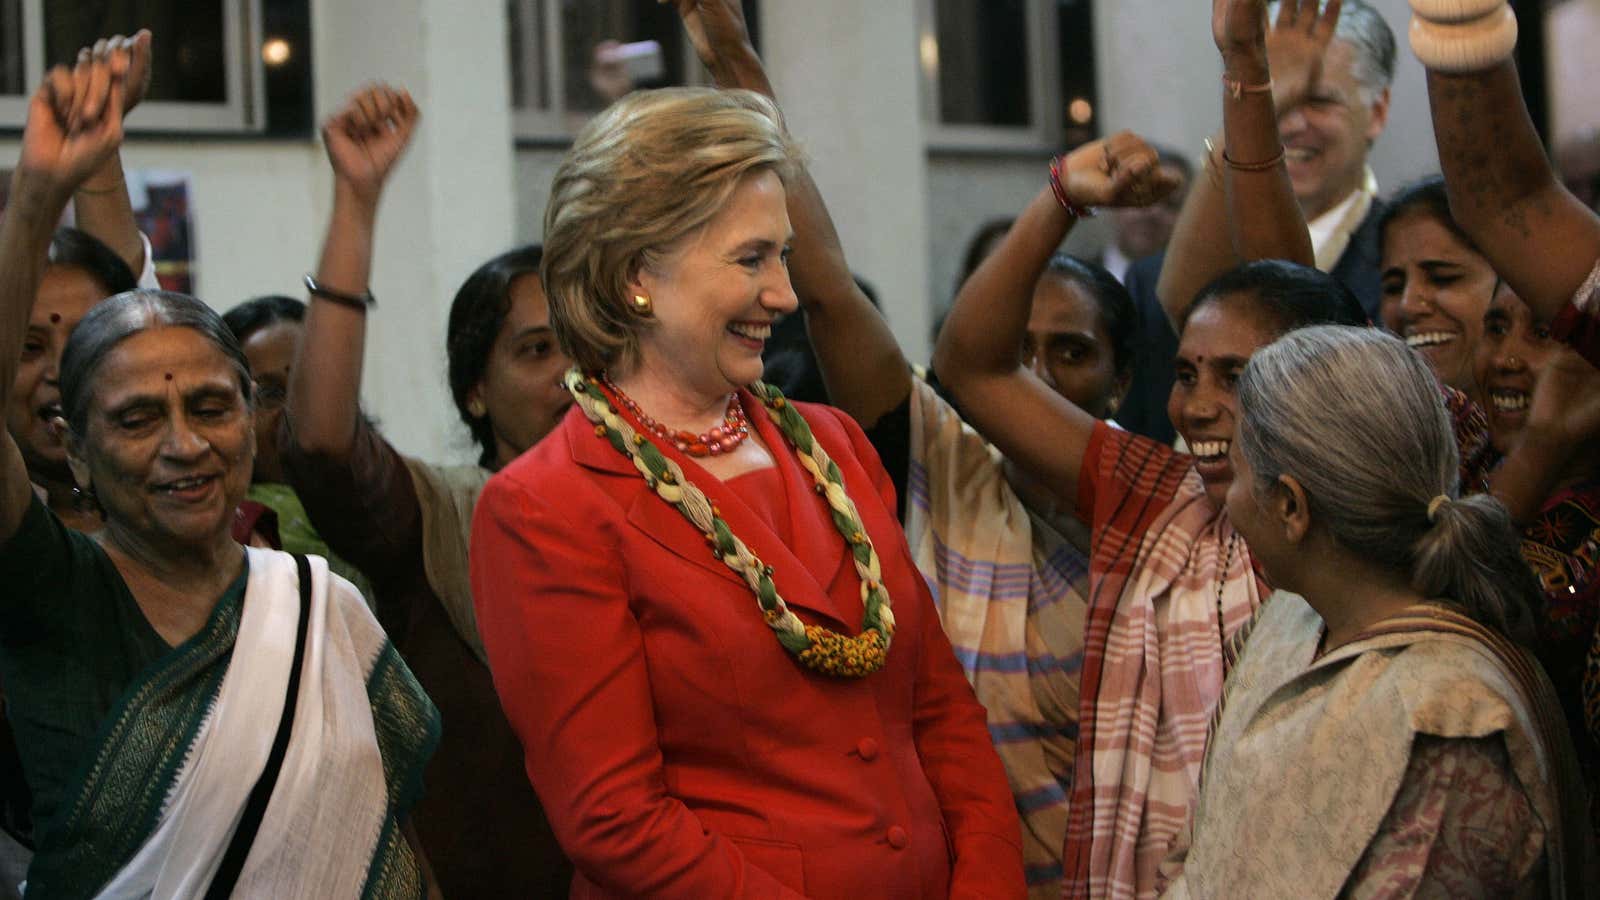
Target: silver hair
column 1369, row 35
column 118, row 318
column 1358, row 420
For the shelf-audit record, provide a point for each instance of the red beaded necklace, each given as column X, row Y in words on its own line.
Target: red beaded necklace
column 719, row 440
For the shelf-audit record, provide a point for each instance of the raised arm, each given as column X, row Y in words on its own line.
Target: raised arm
column 979, row 355
column 101, row 203
column 1503, row 192
column 1247, row 192
column 862, row 365
column 74, row 124
column 364, row 141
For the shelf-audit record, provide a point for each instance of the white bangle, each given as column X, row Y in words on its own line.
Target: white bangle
column 1451, row 11
column 1461, row 47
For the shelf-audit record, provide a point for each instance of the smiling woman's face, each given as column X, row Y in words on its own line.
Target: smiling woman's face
column 717, row 293
column 1436, row 290
column 1217, row 341
column 169, row 439
column 66, row 294
column 1511, row 356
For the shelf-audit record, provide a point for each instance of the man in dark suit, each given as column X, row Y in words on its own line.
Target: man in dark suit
column 1326, row 139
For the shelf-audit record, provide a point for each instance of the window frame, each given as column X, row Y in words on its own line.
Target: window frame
column 1045, row 104
column 556, row 124
column 243, row 111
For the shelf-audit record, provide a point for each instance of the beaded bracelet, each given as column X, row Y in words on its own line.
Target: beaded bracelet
column 1074, row 210
column 1471, row 46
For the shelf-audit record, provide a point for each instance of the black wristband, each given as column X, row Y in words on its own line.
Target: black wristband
column 355, row 301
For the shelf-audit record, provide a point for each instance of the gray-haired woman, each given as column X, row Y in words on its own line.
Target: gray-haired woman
column 1382, row 732
column 153, row 671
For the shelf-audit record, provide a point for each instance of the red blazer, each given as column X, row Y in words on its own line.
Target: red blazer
column 678, row 749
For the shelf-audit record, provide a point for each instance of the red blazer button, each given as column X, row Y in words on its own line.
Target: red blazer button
column 868, row 749
column 898, row 838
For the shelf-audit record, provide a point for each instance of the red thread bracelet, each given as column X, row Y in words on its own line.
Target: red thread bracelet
column 1073, row 209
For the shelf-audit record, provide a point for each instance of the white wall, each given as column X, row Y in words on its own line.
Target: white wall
column 846, row 74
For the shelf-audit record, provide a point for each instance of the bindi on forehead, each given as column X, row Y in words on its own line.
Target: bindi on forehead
column 55, row 318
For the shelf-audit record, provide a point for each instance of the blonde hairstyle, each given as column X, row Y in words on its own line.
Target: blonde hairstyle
column 647, row 172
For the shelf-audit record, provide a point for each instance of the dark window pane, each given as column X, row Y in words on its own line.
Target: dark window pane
column 287, row 76
column 588, row 24
column 1080, row 97
column 12, row 73
column 519, row 85
column 525, row 28
column 189, row 64
column 983, row 62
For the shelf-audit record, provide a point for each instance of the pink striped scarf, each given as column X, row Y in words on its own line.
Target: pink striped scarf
column 1153, row 665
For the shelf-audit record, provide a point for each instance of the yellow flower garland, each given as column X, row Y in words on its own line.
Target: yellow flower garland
column 817, row 648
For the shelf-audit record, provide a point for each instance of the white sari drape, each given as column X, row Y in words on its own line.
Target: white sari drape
column 328, row 809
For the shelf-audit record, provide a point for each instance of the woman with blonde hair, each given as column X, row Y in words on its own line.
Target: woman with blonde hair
column 702, row 618
column 1385, row 730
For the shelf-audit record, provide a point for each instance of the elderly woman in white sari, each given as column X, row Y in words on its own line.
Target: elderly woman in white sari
column 164, row 682
column 1382, row 733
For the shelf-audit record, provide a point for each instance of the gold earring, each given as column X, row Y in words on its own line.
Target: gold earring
column 1112, row 406
column 476, row 408
column 642, row 305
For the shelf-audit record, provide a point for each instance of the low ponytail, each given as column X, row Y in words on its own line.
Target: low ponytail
column 1358, row 420
column 1471, row 555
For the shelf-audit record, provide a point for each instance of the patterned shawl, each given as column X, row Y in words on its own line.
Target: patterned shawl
column 1170, row 581
column 1011, row 593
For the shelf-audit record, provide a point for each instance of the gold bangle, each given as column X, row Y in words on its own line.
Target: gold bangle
column 1237, row 89
column 1212, row 167
column 1256, row 166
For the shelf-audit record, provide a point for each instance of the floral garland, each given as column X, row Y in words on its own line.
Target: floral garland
column 819, row 649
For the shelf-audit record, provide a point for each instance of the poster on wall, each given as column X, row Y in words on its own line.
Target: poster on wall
column 161, row 207
column 160, row 200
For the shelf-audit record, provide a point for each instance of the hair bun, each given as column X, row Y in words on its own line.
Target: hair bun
column 1453, row 11
column 1462, row 47
column 1436, row 504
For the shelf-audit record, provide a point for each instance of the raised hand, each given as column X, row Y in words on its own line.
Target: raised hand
column 137, row 81
column 1565, row 405
column 1297, row 45
column 717, row 30
column 1121, row 170
column 74, row 122
column 368, row 136
column 1240, row 25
